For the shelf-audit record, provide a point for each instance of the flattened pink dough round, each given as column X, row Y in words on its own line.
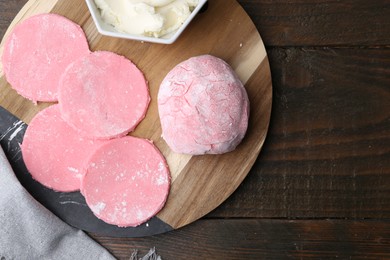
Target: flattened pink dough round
column 103, row 95
column 37, row 52
column 127, row 182
column 203, row 107
column 55, row 154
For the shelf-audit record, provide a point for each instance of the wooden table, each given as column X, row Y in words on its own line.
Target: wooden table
column 321, row 185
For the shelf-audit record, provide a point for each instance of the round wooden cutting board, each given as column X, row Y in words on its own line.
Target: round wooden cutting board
column 199, row 183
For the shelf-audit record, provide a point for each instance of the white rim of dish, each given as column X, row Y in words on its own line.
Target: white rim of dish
column 95, row 13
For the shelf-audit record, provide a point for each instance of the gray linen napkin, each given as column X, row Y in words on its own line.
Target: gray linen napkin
column 30, row 231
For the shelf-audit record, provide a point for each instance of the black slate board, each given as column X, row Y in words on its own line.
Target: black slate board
column 70, row 207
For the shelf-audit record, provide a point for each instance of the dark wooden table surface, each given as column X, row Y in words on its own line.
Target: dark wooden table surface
column 321, row 185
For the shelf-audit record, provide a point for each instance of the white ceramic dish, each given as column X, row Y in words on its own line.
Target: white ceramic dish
column 109, row 30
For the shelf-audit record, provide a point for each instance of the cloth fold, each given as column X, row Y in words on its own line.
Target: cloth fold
column 30, row 231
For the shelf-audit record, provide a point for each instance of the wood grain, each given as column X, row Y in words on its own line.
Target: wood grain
column 351, row 177
column 321, row 22
column 299, row 23
column 264, row 239
column 9, row 9
column 199, row 183
column 328, row 152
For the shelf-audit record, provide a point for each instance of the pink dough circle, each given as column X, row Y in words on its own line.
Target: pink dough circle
column 55, row 154
column 203, row 107
column 127, row 181
column 103, row 95
column 37, row 52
